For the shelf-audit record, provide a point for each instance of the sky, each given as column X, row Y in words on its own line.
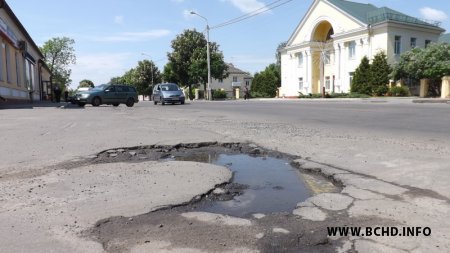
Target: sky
column 111, row 36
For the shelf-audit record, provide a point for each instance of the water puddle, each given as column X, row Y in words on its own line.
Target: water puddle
column 264, row 181
column 272, row 184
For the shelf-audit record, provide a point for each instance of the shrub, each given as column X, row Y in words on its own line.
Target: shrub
column 397, row 91
column 219, row 94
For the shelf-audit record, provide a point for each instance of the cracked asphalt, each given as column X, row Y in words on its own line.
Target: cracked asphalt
column 391, row 159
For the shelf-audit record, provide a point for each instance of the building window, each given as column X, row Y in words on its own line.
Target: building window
column 300, row 60
column 413, row 42
column 18, row 68
column 235, row 78
column 351, row 50
column 327, row 57
column 300, row 83
column 327, row 83
column 29, row 74
column 427, row 42
column 397, row 44
column 247, row 83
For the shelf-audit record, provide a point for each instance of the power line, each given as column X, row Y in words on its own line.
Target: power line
column 259, row 11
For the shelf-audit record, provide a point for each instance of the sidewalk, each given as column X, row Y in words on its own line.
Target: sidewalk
column 28, row 105
column 432, row 100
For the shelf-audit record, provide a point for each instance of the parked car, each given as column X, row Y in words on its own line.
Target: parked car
column 167, row 93
column 108, row 94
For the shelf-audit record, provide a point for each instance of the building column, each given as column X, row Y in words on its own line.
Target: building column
column 424, row 85
column 445, row 88
column 337, row 66
column 308, row 70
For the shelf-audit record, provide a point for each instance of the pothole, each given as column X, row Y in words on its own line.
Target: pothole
column 264, row 190
column 264, row 181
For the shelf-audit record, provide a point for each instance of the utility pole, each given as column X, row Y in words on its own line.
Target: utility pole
column 208, row 59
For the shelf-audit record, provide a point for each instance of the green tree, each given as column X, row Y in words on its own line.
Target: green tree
column 276, row 69
column 361, row 78
column 86, row 84
column 188, row 63
column 264, row 84
column 168, row 74
column 431, row 62
column 145, row 75
column 379, row 74
column 59, row 54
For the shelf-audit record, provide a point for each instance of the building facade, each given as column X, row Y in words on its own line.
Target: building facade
column 334, row 35
column 23, row 74
column 236, row 79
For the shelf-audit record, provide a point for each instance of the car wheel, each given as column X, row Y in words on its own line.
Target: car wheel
column 81, row 104
column 130, row 102
column 162, row 101
column 155, row 103
column 96, row 101
column 182, row 102
column 116, row 104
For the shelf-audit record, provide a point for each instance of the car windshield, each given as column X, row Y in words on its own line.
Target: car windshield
column 169, row 87
column 100, row 87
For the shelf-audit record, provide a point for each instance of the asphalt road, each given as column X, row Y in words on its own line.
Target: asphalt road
column 392, row 157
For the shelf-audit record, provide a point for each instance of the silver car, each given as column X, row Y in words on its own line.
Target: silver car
column 167, row 93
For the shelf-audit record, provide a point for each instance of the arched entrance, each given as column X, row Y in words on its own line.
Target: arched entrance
column 321, row 42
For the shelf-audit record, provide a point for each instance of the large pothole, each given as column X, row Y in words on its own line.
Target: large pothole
column 264, row 181
column 266, row 187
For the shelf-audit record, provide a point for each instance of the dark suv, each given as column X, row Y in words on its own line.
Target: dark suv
column 110, row 94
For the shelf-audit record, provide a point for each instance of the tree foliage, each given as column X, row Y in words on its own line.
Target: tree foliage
column 59, row 54
column 188, row 60
column 379, row 74
column 143, row 76
column 372, row 78
column 86, row 84
column 432, row 62
column 361, row 78
column 265, row 83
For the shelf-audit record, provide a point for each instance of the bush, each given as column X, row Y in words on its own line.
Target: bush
column 334, row 95
column 256, row 94
column 219, row 94
column 397, row 91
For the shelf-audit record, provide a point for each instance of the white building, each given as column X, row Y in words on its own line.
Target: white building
column 334, row 35
column 236, row 79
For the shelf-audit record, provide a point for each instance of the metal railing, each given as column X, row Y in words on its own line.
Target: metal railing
column 401, row 18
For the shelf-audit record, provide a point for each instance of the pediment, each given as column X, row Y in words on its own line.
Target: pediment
column 320, row 11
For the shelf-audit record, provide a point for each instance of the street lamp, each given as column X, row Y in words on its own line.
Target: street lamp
column 208, row 87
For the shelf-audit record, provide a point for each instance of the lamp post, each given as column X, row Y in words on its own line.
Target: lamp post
column 208, row 87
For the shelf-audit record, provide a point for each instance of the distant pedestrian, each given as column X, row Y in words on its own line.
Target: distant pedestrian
column 57, row 92
column 247, row 93
column 66, row 96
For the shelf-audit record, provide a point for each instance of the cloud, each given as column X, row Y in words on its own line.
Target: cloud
column 433, row 14
column 118, row 20
column 247, row 6
column 134, row 36
column 99, row 68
